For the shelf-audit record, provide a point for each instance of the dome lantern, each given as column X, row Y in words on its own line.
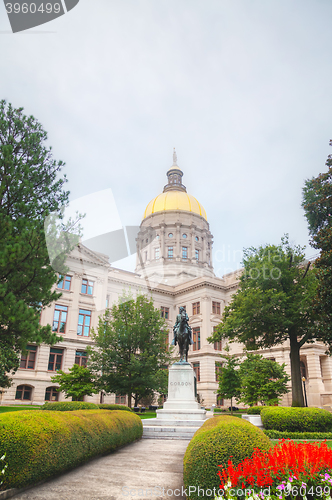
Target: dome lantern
column 174, row 176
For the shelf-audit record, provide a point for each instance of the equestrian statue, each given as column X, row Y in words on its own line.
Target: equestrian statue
column 182, row 334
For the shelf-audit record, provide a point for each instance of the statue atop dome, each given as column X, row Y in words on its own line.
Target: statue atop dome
column 175, row 158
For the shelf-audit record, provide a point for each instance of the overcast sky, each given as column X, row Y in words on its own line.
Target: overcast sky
column 241, row 88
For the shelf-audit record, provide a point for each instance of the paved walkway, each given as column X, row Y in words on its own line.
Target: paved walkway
column 138, row 471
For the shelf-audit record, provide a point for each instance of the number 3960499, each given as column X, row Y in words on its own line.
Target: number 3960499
column 32, row 8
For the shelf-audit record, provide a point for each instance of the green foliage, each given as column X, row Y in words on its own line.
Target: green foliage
column 317, row 203
column 273, row 304
column 296, row 419
column 130, row 348
column 114, row 407
column 229, row 379
column 297, row 435
column 255, row 410
column 262, row 380
column 69, row 406
column 30, row 189
column 40, row 444
column 218, row 440
column 77, row 383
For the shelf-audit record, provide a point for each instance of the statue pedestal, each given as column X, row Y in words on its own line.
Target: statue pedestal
column 181, row 403
column 181, row 415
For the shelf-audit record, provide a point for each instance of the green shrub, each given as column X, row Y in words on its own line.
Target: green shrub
column 255, row 410
column 292, row 419
column 69, row 406
column 39, row 444
column 219, row 439
column 297, row 435
column 114, row 407
column 218, row 410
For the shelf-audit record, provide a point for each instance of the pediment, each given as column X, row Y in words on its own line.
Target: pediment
column 83, row 253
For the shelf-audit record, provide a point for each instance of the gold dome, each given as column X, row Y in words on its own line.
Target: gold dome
column 174, row 200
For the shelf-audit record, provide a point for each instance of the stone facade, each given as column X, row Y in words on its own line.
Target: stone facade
column 181, row 277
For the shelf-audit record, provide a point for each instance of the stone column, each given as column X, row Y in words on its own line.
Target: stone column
column 314, row 384
column 177, row 242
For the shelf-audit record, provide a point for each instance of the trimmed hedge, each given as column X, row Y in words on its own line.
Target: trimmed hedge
column 297, row 435
column 69, row 406
column 219, row 439
column 289, row 419
column 114, row 407
column 255, row 410
column 40, row 444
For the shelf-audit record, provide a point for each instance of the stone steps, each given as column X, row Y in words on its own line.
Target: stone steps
column 157, row 428
column 168, row 432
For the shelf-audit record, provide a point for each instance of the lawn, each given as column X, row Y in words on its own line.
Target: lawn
column 149, row 414
column 5, row 409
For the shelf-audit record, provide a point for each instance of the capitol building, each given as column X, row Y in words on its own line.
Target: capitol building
column 174, row 267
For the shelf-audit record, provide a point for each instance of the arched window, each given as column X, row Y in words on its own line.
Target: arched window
column 51, row 394
column 23, row 392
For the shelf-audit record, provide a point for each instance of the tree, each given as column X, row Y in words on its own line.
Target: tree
column 79, row 382
column 130, row 348
column 262, row 380
column 273, row 304
column 30, row 190
column 229, row 379
column 317, row 203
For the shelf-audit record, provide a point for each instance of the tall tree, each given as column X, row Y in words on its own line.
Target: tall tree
column 30, row 190
column 229, row 378
column 317, row 203
column 273, row 304
column 262, row 380
column 130, row 348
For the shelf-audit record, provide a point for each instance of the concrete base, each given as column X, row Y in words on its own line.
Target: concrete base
column 181, row 415
column 254, row 419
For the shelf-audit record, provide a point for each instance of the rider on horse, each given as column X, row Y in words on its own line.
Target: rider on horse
column 177, row 324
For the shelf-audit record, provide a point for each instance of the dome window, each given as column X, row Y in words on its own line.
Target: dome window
column 170, row 235
column 196, row 238
column 184, row 235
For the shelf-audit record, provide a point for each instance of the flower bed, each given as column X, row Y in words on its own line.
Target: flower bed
column 289, row 470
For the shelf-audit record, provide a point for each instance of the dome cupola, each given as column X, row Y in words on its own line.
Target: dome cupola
column 174, row 195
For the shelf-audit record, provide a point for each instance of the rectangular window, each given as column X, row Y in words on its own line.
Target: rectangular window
column 156, row 253
column 218, row 370
column 164, row 312
column 197, row 371
column 217, row 345
column 28, row 359
column 120, row 400
column 87, row 287
column 216, row 307
column 196, row 307
column 197, row 255
column 65, row 282
column 84, row 323
column 60, row 319
column 197, row 338
column 81, row 358
column 170, row 252
column 55, row 359
column 184, row 252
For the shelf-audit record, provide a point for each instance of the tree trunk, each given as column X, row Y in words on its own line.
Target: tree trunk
column 231, row 406
column 129, row 400
column 297, row 392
